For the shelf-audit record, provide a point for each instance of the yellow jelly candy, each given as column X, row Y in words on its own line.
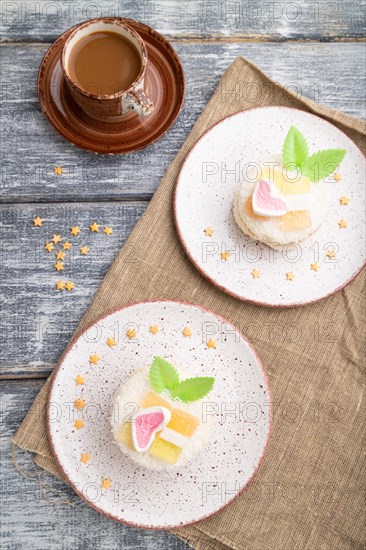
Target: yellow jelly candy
column 285, row 184
column 183, row 423
column 165, row 450
column 295, row 221
column 124, row 435
column 154, row 400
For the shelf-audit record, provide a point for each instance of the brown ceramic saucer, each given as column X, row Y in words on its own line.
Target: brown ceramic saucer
column 164, row 84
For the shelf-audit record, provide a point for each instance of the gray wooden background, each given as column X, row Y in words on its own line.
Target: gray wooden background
column 315, row 47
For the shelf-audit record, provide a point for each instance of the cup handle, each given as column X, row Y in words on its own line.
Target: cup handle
column 138, row 101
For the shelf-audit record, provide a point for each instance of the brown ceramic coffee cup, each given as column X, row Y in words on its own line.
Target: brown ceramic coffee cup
column 102, row 107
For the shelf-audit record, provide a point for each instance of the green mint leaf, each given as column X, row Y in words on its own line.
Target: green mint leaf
column 162, row 375
column 322, row 164
column 295, row 147
column 193, row 389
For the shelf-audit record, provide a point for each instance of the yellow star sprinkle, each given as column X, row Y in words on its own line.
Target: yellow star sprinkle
column 344, row 200
column 106, row 483
column 69, row 286
column 84, row 250
column 59, row 266
column 331, row 253
column 187, row 332
column 290, row 276
column 49, row 247
column 342, row 224
column 337, row 176
column 108, row 230
column 94, row 227
column 66, row 245
column 94, row 359
column 85, row 458
column 56, row 239
column 60, row 285
column 315, row 266
column 79, row 424
column 58, row 170
column 60, row 255
column 256, row 274
column 154, row 329
column 37, row 222
column 225, row 256
column 131, row 333
column 80, row 380
column 74, row 230
column 111, row 342
column 211, row 344
column 208, row 231
column 79, row 404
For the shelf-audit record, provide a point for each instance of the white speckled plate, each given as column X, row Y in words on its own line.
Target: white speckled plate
column 240, row 402
column 209, row 178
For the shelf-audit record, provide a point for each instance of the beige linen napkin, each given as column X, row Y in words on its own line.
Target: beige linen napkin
column 308, row 493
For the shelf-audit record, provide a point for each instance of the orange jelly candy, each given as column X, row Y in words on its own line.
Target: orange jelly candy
column 295, row 221
column 153, row 400
column 183, row 423
column 248, row 208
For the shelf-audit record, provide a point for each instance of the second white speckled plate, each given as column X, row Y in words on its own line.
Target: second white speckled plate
column 240, row 403
column 208, row 181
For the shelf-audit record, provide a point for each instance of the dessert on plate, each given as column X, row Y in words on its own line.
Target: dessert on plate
column 286, row 198
column 158, row 419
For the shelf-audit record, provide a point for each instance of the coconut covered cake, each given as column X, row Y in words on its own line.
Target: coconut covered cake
column 167, row 426
column 285, row 198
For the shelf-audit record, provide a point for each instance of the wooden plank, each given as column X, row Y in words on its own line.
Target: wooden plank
column 35, row 519
column 37, row 320
column 304, row 19
column 328, row 73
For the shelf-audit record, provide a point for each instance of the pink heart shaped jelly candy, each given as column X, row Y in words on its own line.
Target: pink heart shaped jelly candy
column 146, row 423
column 266, row 202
